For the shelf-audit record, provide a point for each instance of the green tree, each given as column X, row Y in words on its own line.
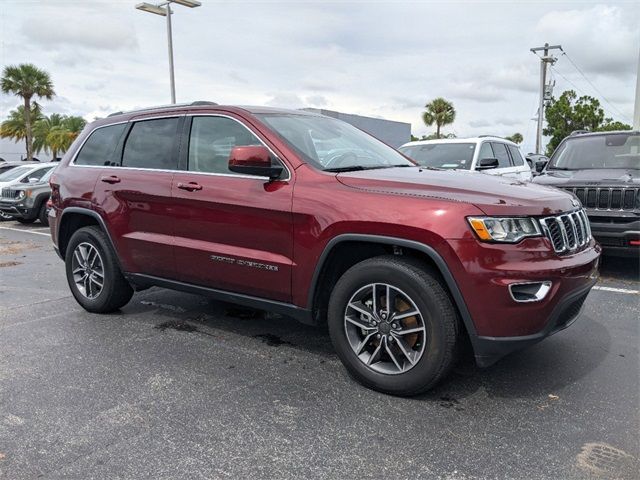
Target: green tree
column 570, row 112
column 15, row 127
column 27, row 81
column 439, row 111
column 516, row 138
column 56, row 133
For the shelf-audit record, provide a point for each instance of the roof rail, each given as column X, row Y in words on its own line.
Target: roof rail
column 162, row 107
column 486, row 136
column 578, row 132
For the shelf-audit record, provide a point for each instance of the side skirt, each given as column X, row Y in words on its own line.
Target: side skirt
column 300, row 314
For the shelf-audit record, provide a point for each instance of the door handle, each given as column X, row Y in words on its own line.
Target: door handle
column 190, row 187
column 110, row 179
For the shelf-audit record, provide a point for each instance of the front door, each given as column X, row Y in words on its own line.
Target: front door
column 232, row 232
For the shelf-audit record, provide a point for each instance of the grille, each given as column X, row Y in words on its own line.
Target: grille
column 9, row 193
column 607, row 198
column 567, row 232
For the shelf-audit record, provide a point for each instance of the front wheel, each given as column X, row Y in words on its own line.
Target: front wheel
column 43, row 215
column 93, row 274
column 393, row 325
column 25, row 221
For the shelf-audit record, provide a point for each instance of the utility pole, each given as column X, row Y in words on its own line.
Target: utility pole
column 544, row 60
column 636, row 109
column 172, row 78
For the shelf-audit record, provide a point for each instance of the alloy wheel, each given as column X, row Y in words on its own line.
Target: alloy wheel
column 88, row 270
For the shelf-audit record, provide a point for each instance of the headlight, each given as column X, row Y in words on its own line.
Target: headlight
column 20, row 195
column 507, row 230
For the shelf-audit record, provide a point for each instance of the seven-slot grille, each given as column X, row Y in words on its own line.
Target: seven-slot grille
column 10, row 194
column 607, row 198
column 567, row 232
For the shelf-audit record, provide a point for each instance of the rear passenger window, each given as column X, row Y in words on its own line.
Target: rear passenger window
column 211, row 141
column 99, row 147
column 500, row 151
column 518, row 161
column 150, row 145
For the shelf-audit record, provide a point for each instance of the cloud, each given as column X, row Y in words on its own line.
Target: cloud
column 476, row 92
column 316, row 101
column 601, row 40
column 480, row 123
column 285, row 100
column 93, row 32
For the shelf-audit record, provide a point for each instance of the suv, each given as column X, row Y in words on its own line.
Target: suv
column 24, row 191
column 404, row 263
column 603, row 171
column 493, row 155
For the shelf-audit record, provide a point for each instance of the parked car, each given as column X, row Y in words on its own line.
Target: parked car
column 19, row 173
column 404, row 263
column 27, row 203
column 603, row 171
column 492, row 155
column 536, row 162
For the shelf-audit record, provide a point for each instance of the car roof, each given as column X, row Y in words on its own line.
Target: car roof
column 460, row 140
column 598, row 134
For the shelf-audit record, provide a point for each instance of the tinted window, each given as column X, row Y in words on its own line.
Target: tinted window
column 500, row 152
column 485, row 151
column 37, row 174
column 518, row 161
column 441, row 155
column 150, row 145
column 211, row 141
column 14, row 173
column 99, row 147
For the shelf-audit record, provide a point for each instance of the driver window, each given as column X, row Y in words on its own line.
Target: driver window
column 500, row 151
column 211, row 140
column 485, row 151
column 38, row 174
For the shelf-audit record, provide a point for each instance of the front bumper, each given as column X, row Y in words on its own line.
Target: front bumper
column 501, row 324
column 616, row 232
column 18, row 210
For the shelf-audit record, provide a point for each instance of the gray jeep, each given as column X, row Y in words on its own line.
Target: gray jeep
column 27, row 202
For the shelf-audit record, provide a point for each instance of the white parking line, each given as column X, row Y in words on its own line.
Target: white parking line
column 26, row 231
column 616, row 290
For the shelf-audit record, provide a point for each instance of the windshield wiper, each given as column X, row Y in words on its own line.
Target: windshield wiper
column 357, row 168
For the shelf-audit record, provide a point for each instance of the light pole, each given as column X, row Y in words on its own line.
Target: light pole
column 164, row 9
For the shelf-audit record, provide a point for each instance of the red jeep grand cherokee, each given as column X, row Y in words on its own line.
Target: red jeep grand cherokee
column 310, row 217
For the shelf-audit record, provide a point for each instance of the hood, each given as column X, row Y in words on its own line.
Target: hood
column 609, row 177
column 492, row 194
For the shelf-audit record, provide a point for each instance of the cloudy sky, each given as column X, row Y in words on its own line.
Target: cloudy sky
column 377, row 58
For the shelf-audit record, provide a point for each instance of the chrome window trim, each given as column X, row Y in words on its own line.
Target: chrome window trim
column 249, row 177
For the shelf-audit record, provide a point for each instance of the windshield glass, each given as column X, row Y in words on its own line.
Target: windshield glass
column 331, row 144
column 14, row 173
column 441, row 155
column 620, row 150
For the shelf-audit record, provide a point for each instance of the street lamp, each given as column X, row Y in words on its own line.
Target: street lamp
column 164, row 9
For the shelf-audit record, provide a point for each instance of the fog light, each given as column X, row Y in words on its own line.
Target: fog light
column 529, row 291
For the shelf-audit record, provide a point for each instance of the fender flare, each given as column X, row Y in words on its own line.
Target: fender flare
column 401, row 242
column 90, row 213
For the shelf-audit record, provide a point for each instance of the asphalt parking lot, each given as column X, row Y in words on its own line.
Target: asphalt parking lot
column 178, row 386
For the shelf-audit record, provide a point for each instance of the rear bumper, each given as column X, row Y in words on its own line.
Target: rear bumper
column 488, row 350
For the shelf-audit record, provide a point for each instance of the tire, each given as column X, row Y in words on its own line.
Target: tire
column 42, row 215
column 115, row 291
column 25, row 221
column 5, row 217
column 413, row 287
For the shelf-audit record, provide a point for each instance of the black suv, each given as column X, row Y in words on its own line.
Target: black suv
column 603, row 170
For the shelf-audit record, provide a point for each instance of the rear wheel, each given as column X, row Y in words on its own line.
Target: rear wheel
column 393, row 325
column 93, row 274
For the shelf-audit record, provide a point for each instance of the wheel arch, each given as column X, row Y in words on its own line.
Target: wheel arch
column 74, row 218
column 357, row 247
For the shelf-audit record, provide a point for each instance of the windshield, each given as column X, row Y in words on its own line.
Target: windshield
column 333, row 145
column 620, row 150
column 14, row 173
column 441, row 155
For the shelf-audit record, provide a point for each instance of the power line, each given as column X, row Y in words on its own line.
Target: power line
column 593, row 86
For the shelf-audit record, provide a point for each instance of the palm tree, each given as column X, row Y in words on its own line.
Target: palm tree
column 27, row 81
column 15, row 126
column 516, row 138
column 440, row 112
column 56, row 133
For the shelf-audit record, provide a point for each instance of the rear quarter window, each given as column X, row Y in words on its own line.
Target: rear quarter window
column 516, row 156
column 99, row 147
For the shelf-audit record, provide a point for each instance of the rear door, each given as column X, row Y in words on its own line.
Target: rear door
column 232, row 232
column 134, row 195
column 522, row 169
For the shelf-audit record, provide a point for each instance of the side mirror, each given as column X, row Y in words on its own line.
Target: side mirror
column 540, row 164
column 253, row 160
column 487, row 164
column 33, row 180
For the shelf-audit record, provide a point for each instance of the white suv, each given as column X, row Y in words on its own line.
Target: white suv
column 492, row 155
